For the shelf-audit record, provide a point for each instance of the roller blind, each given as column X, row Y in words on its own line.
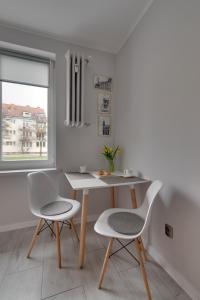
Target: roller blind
column 24, row 69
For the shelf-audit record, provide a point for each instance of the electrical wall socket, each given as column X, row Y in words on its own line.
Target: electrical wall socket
column 169, row 231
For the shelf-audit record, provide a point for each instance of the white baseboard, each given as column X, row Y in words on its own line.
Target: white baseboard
column 178, row 277
column 20, row 225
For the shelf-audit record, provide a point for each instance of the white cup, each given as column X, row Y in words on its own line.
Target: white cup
column 128, row 172
column 83, row 169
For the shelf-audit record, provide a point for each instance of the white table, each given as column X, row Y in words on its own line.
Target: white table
column 90, row 181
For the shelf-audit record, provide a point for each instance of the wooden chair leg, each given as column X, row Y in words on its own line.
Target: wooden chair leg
column 35, row 236
column 58, row 244
column 143, row 250
column 52, row 228
column 134, row 205
column 142, row 268
column 105, row 263
column 74, row 229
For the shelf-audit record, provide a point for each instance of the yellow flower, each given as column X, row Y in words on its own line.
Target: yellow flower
column 110, row 152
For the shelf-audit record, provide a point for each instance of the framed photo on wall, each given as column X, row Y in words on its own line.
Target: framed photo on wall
column 104, row 125
column 104, row 103
column 103, row 82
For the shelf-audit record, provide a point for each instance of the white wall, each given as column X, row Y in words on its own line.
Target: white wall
column 157, row 114
column 74, row 147
column 158, row 124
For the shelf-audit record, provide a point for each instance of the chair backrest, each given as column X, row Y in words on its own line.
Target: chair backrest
column 41, row 190
column 147, row 205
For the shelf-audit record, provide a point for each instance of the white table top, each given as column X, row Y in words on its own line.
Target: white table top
column 90, row 180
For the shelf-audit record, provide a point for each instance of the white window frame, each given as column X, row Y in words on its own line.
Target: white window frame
column 36, row 164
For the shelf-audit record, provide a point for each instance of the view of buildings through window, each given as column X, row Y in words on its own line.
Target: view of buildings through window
column 24, row 122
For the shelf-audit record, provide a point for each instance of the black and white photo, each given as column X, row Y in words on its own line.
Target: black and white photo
column 103, row 82
column 104, row 125
column 104, row 102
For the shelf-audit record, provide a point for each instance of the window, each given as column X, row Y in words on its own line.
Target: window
column 26, row 102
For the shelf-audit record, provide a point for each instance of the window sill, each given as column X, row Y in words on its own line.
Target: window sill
column 25, row 171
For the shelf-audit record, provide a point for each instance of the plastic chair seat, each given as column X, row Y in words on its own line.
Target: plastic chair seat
column 103, row 227
column 60, row 217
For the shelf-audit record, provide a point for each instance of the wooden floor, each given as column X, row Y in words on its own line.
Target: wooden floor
column 38, row 278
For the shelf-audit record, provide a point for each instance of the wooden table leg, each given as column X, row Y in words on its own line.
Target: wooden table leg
column 73, row 195
column 112, row 190
column 72, row 226
column 133, row 197
column 58, row 244
column 83, row 228
column 134, row 205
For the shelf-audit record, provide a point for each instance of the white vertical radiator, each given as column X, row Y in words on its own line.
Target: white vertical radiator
column 75, row 102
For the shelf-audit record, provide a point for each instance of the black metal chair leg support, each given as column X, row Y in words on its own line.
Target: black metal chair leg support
column 124, row 247
column 48, row 225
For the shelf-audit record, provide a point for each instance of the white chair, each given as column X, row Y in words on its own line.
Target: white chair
column 50, row 208
column 104, row 227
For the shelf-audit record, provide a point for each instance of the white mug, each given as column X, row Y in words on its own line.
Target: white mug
column 128, row 172
column 83, row 169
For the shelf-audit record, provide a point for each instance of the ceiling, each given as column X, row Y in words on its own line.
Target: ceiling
column 99, row 24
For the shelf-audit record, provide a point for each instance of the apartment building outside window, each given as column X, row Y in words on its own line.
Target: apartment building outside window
column 26, row 102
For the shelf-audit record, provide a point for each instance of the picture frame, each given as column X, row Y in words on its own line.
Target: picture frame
column 104, row 125
column 104, row 103
column 103, row 82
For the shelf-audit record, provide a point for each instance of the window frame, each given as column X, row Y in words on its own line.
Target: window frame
column 36, row 164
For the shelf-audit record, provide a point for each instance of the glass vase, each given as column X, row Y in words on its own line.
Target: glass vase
column 111, row 166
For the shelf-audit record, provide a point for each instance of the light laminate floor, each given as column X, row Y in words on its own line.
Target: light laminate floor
column 38, row 278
